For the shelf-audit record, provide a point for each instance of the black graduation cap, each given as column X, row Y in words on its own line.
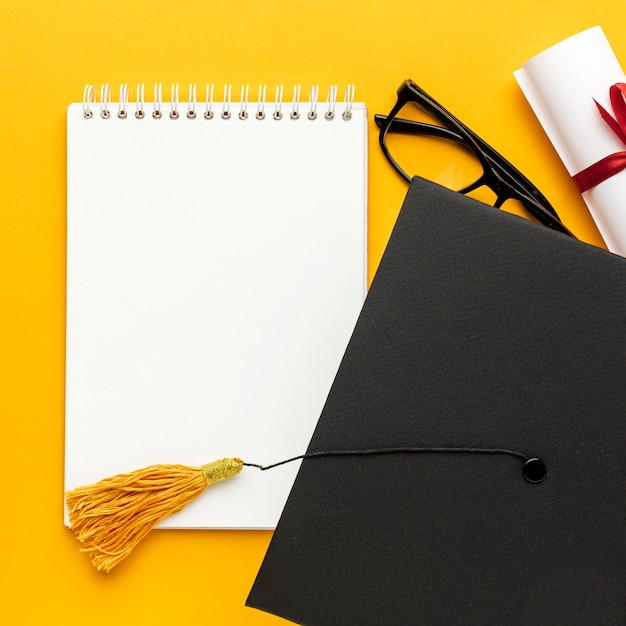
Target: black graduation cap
column 488, row 341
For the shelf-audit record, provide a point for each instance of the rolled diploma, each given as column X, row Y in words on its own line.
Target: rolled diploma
column 561, row 84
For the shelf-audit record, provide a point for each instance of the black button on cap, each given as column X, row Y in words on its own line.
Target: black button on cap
column 534, row 470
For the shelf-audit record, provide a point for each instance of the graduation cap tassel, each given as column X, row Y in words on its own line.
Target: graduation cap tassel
column 112, row 516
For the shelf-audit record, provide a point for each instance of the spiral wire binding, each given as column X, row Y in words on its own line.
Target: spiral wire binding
column 158, row 100
column 278, row 103
column 295, row 104
column 313, row 96
column 174, row 102
column 349, row 101
column 243, row 113
column 331, row 101
column 122, row 107
column 105, row 101
column 90, row 101
column 226, row 105
column 260, row 109
column 191, row 108
column 208, row 112
column 139, row 113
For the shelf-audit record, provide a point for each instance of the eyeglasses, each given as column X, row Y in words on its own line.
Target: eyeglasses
column 491, row 169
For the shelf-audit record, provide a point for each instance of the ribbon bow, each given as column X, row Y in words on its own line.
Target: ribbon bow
column 614, row 163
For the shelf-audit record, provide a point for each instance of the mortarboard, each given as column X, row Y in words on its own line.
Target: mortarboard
column 492, row 338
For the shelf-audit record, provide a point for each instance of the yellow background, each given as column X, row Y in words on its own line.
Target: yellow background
column 463, row 53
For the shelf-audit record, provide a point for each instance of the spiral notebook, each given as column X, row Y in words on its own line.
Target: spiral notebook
column 216, row 265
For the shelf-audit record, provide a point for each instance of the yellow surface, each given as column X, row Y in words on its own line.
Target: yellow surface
column 463, row 53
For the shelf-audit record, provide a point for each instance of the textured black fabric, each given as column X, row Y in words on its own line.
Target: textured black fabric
column 480, row 329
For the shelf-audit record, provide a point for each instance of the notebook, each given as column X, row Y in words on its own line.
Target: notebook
column 216, row 266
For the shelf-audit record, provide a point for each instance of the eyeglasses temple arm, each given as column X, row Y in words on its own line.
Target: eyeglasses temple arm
column 410, row 127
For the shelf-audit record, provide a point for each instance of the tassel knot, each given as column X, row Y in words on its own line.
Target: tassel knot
column 220, row 470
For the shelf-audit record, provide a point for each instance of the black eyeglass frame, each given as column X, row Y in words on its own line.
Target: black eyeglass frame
column 499, row 175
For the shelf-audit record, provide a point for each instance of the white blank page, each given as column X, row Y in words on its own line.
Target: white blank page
column 215, row 270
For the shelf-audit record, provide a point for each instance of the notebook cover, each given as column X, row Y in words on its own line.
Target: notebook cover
column 480, row 329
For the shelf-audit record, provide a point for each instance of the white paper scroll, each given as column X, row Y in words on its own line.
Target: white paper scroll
column 561, row 84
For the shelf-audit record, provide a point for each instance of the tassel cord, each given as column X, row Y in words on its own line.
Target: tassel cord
column 377, row 451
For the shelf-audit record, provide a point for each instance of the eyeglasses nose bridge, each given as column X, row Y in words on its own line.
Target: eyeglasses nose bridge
column 501, row 187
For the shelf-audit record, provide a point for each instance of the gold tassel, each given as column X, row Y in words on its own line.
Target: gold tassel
column 112, row 516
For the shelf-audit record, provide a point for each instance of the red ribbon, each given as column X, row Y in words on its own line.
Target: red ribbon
column 614, row 163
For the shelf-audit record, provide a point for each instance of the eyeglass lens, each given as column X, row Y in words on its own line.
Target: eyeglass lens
column 443, row 161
